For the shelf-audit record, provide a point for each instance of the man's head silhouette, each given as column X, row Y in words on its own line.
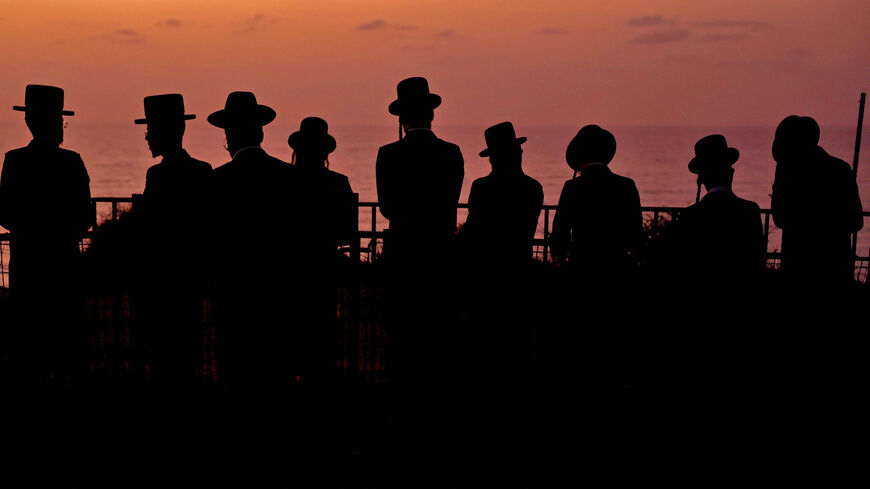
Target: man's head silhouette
column 796, row 139
column 242, row 120
column 503, row 147
column 414, row 103
column 164, row 116
column 43, row 113
column 713, row 161
column 592, row 144
column 312, row 143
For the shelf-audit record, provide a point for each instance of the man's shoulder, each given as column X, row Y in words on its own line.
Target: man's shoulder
column 199, row 165
column 747, row 204
column 622, row 180
column 226, row 169
column 531, row 184
column 18, row 153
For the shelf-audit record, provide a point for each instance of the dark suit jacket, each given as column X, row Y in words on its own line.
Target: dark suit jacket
column 598, row 222
column 45, row 201
column 178, row 202
column 722, row 241
column 419, row 179
column 503, row 211
column 818, row 207
column 255, row 222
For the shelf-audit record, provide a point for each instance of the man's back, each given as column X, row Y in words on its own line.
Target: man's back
column 722, row 237
column 503, row 213
column 45, row 192
column 419, row 179
column 598, row 217
column 256, row 200
column 817, row 211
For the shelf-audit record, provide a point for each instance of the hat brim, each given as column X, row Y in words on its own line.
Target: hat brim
column 298, row 140
column 488, row 151
column 259, row 115
column 186, row 117
column 431, row 100
column 20, row 108
column 729, row 157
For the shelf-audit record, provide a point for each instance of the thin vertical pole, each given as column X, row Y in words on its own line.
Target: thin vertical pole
column 855, row 161
column 546, row 234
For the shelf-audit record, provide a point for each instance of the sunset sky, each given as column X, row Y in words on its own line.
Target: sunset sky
column 661, row 62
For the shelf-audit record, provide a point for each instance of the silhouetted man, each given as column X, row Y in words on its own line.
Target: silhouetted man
column 722, row 234
column 177, row 205
column 328, row 218
column 419, row 179
column 598, row 224
column 45, row 204
column 255, row 196
column 503, row 207
column 722, row 258
column 503, row 210
column 816, row 203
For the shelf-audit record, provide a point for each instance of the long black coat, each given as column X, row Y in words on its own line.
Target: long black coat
column 598, row 223
column 419, row 179
column 45, row 203
column 818, row 207
column 255, row 217
column 257, row 246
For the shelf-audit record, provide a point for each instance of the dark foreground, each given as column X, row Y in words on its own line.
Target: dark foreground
column 779, row 401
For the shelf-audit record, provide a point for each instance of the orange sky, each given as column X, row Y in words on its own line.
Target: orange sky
column 671, row 62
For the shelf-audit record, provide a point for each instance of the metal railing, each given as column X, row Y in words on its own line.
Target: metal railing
column 371, row 231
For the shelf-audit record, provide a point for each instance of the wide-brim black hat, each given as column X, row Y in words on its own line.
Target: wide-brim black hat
column 413, row 93
column 795, row 133
column 313, row 134
column 43, row 98
column 713, row 151
column 501, row 136
column 242, row 108
column 164, row 108
column 592, row 144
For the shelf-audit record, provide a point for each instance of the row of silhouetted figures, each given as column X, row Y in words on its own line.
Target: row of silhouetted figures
column 257, row 238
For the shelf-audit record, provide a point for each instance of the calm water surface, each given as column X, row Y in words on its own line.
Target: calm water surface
column 117, row 157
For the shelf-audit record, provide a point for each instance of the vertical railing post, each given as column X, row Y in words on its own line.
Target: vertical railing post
column 546, row 234
column 354, row 290
column 114, row 209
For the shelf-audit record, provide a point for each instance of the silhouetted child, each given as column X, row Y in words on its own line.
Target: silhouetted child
column 328, row 219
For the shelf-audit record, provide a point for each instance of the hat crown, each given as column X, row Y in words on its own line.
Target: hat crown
column 240, row 102
column 43, row 97
column 414, row 87
column 500, row 134
column 592, row 144
column 313, row 126
column 798, row 131
column 168, row 106
column 712, row 145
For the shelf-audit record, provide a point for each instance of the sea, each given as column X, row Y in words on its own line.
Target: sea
column 117, row 158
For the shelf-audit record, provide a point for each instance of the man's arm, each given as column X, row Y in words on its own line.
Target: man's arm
column 7, row 205
column 560, row 238
column 385, row 185
column 85, row 212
